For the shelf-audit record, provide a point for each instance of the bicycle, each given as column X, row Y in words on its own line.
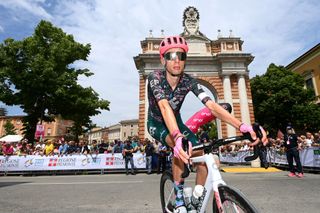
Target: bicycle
column 226, row 198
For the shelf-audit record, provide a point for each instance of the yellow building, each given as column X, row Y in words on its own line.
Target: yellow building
column 308, row 65
column 51, row 130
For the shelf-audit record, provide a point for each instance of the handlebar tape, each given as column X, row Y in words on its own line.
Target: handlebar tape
column 185, row 147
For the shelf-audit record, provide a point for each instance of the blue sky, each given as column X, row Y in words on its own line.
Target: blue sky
column 274, row 31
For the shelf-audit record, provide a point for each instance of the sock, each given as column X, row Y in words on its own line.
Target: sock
column 178, row 190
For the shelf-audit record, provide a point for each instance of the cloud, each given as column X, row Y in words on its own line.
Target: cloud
column 1, row 29
column 275, row 31
column 34, row 7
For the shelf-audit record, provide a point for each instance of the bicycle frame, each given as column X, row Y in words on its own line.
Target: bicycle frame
column 213, row 180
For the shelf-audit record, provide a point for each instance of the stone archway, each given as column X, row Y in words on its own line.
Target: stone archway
column 219, row 65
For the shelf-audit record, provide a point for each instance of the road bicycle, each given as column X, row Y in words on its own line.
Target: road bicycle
column 226, row 198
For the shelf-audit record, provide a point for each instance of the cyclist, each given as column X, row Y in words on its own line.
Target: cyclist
column 166, row 92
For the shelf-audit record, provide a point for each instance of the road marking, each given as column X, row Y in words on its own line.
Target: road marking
column 84, row 183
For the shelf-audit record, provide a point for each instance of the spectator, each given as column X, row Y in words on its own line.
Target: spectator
column 291, row 144
column 84, row 148
column 94, row 147
column 309, row 139
column 118, row 147
column 128, row 156
column 71, row 148
column 110, row 147
column 149, row 149
column 203, row 135
column 135, row 144
column 156, row 145
column 7, row 149
column 103, row 147
column 142, row 146
column 316, row 139
column 49, row 148
column 38, row 151
column 162, row 160
column 63, row 148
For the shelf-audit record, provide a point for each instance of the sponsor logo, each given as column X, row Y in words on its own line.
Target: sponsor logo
column 63, row 162
column 9, row 163
column 28, row 163
column 39, row 162
column 90, row 161
column 316, row 152
column 114, row 161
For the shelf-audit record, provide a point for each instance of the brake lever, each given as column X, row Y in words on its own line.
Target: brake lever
column 256, row 148
column 187, row 169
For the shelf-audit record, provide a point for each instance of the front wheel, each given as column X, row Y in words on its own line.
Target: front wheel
column 167, row 195
column 232, row 200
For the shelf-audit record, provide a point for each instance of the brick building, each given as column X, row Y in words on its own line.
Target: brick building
column 56, row 129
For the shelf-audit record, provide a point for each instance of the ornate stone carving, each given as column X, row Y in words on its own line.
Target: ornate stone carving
column 191, row 21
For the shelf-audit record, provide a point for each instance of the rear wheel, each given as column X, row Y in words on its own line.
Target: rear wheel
column 167, row 195
column 232, row 200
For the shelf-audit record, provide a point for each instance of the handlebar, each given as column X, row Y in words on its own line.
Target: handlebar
column 209, row 146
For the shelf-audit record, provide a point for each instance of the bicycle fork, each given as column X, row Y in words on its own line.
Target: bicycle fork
column 213, row 181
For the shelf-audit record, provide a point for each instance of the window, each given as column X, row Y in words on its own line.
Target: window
column 124, row 135
column 131, row 125
column 309, row 85
column 49, row 131
column 308, row 76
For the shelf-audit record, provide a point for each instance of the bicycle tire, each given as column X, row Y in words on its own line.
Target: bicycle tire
column 166, row 186
column 233, row 200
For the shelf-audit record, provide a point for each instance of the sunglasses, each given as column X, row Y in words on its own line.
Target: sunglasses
column 182, row 56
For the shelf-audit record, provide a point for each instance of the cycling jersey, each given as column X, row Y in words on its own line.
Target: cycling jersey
column 158, row 89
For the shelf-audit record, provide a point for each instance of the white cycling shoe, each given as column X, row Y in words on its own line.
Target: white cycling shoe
column 180, row 209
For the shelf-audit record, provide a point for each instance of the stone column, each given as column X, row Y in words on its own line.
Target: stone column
column 146, row 108
column 243, row 98
column 228, row 99
column 244, row 109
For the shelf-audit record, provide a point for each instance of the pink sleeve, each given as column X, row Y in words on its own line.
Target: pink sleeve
column 198, row 119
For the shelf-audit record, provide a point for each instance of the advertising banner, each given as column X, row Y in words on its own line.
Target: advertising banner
column 309, row 157
column 71, row 162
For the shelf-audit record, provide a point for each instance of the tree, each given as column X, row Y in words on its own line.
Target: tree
column 211, row 129
column 40, row 75
column 9, row 128
column 3, row 111
column 279, row 98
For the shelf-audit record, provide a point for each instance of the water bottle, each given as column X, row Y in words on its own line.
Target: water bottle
column 196, row 195
column 187, row 194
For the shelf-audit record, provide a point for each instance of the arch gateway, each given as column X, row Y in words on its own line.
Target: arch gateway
column 220, row 65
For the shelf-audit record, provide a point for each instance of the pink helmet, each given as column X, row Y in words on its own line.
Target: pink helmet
column 172, row 42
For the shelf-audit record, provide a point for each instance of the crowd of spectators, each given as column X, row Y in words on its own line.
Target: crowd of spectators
column 62, row 147
column 157, row 155
column 304, row 141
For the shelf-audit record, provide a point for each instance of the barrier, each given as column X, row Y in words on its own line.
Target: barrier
column 309, row 157
column 71, row 162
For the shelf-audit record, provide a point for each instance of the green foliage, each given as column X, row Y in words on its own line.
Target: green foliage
column 39, row 73
column 9, row 128
column 211, row 128
column 279, row 98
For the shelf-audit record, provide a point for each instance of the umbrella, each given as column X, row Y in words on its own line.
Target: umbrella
column 11, row 138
